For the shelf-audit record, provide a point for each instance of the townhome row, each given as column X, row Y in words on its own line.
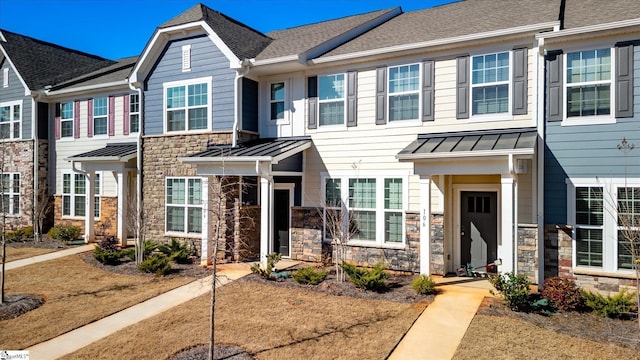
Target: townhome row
column 466, row 134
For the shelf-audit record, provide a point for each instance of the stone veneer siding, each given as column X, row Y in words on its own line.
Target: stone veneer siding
column 528, row 251
column 105, row 226
column 558, row 251
column 436, row 266
column 306, row 235
column 17, row 157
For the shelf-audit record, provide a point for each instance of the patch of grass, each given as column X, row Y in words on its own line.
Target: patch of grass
column 14, row 254
column 288, row 321
column 76, row 294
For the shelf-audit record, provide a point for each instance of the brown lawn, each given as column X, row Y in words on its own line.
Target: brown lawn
column 23, row 253
column 76, row 294
column 271, row 323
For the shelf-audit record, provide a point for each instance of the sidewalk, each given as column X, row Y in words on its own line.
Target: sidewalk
column 83, row 336
column 49, row 256
column 438, row 331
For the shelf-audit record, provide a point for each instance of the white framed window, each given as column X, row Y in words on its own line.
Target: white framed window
column 490, row 83
column 187, row 105
column 186, row 58
column 11, row 193
column 100, row 121
column 5, row 77
column 66, row 120
column 134, row 113
column 10, row 119
column 184, row 205
column 277, row 93
column 74, row 195
column 588, row 87
column 404, row 92
column 603, row 214
column 331, row 99
column 370, row 208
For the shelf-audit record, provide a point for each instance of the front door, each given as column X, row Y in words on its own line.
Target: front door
column 282, row 202
column 478, row 228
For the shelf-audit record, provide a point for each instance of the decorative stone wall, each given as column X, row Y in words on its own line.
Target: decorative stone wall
column 105, row 226
column 17, row 157
column 528, row 251
column 437, row 245
column 558, row 249
column 306, row 234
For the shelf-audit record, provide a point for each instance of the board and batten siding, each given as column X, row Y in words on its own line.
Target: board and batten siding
column 589, row 151
column 206, row 61
column 14, row 92
column 294, row 123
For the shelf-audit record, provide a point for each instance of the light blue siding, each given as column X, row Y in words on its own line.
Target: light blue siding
column 206, row 60
column 589, row 151
column 14, row 92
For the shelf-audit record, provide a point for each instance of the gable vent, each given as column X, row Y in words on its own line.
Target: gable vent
column 186, row 58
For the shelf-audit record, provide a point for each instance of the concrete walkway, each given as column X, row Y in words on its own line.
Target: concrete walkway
column 438, row 331
column 83, row 336
column 49, row 256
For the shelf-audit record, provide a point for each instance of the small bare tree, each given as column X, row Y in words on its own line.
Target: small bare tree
column 340, row 227
column 4, row 134
column 136, row 225
column 41, row 210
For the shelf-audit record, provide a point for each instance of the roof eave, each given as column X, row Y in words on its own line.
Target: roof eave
column 27, row 90
column 123, row 159
column 589, row 29
column 223, row 159
column 465, row 154
column 79, row 89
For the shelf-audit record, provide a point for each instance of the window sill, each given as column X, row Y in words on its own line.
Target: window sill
column 404, row 123
column 78, row 218
column 490, row 118
column 330, row 128
column 187, row 132
column 589, row 120
column 373, row 244
column 100, row 137
column 274, row 122
column 623, row 274
column 67, row 139
column 183, row 235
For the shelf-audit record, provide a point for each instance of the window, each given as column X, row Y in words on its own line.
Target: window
column 184, row 205
column 589, row 226
column 276, row 101
column 134, row 113
column 628, row 225
column 100, row 110
column 66, row 119
column 10, row 120
column 11, row 193
column 331, row 99
column 371, row 208
column 187, row 105
column 74, row 192
column 490, row 84
column 588, row 81
column 404, row 95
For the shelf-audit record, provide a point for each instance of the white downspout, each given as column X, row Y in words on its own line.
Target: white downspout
column 139, row 162
column 36, row 148
column 240, row 73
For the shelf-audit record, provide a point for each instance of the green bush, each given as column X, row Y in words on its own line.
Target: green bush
column 107, row 257
column 176, row 251
column 129, row 252
column 373, row 279
column 272, row 259
column 562, row 293
column 149, row 247
column 615, row 306
column 424, row 285
column 514, row 290
column 158, row 264
column 64, row 232
column 309, row 276
column 20, row 234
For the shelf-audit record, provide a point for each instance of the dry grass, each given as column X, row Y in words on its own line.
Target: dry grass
column 76, row 294
column 269, row 322
column 14, row 254
column 502, row 337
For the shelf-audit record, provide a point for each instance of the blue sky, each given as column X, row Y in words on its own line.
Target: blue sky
column 119, row 28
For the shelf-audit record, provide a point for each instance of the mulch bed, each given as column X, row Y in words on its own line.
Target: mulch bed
column 584, row 325
column 45, row 243
column 127, row 267
column 16, row 305
column 199, row 352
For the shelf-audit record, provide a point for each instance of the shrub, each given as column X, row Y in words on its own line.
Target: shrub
column 64, row 232
column 149, row 247
column 562, row 293
column 373, row 279
column 272, row 259
column 156, row 264
column 514, row 290
column 19, row 234
column 176, row 251
column 109, row 243
column 424, row 285
column 615, row 306
column 107, row 257
column 309, row 276
column 129, row 252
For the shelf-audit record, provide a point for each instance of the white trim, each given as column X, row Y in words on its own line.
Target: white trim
column 345, row 84
column 414, row 121
column 425, row 225
column 64, row 119
column 81, row 89
column 588, row 29
column 208, row 80
column 285, row 104
column 27, row 91
column 185, row 206
column 12, row 121
column 12, row 194
column 131, row 132
column 498, row 116
column 5, row 77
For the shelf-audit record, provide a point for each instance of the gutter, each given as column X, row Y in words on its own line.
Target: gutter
column 589, row 29
column 86, row 87
column 139, row 161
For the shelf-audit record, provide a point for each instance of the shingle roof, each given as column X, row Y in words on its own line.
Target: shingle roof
column 111, row 152
column 451, row 20
column 437, row 145
column 275, row 149
column 243, row 41
column 41, row 63
column 299, row 39
column 119, row 71
column 580, row 13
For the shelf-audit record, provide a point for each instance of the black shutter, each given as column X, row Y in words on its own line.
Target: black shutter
column 555, row 94
column 381, row 96
column 352, row 100
column 624, row 81
column 312, row 94
column 428, row 90
column 462, row 93
column 519, row 93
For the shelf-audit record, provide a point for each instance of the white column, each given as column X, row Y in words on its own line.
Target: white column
column 89, row 208
column 122, row 206
column 425, row 224
column 506, row 224
column 266, row 218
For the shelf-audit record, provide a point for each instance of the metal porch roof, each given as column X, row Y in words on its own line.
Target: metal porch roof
column 272, row 150
column 112, row 152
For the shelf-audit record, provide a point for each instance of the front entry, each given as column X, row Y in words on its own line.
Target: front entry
column 282, row 203
column 478, row 228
